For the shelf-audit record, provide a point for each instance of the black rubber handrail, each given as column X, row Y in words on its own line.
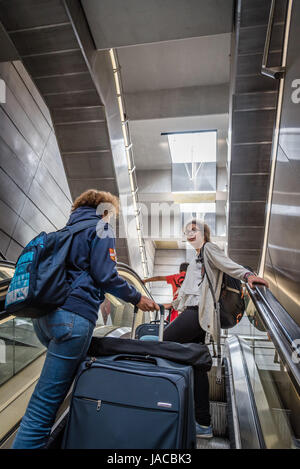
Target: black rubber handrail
column 128, row 269
column 281, row 327
column 120, row 266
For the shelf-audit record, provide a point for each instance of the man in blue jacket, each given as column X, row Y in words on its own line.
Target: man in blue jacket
column 67, row 331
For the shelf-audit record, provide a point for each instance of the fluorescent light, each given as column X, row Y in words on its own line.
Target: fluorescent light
column 193, row 147
column 198, row 208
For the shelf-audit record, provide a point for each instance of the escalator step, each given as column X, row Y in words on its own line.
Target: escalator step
column 218, row 412
column 213, row 443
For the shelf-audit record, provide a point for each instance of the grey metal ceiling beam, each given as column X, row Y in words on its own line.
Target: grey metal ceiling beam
column 117, row 23
column 178, row 102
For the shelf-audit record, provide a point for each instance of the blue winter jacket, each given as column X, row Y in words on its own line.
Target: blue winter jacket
column 94, row 253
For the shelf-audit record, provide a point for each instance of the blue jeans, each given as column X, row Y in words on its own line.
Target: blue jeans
column 67, row 337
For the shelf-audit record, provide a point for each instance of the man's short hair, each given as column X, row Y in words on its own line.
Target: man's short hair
column 183, row 267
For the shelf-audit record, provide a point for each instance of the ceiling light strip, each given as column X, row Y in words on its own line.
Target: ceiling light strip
column 129, row 157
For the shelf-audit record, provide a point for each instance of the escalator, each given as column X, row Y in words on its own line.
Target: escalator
column 255, row 407
column 22, row 356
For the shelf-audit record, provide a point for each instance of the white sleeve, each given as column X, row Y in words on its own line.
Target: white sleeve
column 218, row 259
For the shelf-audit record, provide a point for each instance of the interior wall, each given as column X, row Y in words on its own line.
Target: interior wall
column 34, row 193
column 282, row 266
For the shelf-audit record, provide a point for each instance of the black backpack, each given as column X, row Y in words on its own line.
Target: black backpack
column 231, row 301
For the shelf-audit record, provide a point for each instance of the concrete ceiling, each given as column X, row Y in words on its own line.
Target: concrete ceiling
column 116, row 23
column 199, row 61
column 151, row 149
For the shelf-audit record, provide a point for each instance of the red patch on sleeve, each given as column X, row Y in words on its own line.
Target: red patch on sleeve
column 113, row 254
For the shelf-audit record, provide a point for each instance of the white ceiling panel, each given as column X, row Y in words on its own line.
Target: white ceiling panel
column 199, row 61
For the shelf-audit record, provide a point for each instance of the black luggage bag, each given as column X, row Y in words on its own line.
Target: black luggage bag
column 133, row 394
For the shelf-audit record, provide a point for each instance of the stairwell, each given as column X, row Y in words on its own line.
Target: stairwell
column 253, row 114
column 49, row 48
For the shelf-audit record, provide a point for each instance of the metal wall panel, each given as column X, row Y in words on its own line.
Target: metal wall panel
column 41, row 66
column 251, row 43
column 59, row 55
column 31, row 13
column 253, row 158
column 253, row 126
column 34, row 194
column 254, row 12
column 282, row 266
column 9, row 219
column 90, row 163
column 14, row 79
column 90, row 113
column 10, row 193
column 79, row 81
column 252, row 119
column 247, row 214
column 82, row 137
column 242, row 187
column 245, row 66
column 254, row 237
column 37, row 41
column 7, row 50
column 20, row 173
column 72, row 99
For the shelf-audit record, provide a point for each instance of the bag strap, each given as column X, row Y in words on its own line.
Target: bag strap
column 217, row 311
column 81, row 225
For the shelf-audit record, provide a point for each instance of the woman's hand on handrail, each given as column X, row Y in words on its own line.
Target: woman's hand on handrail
column 253, row 280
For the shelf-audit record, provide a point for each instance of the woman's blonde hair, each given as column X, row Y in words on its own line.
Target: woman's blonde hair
column 93, row 198
column 202, row 226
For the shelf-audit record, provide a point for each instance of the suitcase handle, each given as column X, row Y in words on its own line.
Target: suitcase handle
column 157, row 321
column 136, row 358
column 161, row 322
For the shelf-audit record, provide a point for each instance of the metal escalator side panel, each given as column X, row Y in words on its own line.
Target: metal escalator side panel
column 247, row 430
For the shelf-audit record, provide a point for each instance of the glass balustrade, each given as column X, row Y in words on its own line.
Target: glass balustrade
column 276, row 399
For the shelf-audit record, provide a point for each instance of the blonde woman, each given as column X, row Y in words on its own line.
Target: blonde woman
column 67, row 331
column 198, row 315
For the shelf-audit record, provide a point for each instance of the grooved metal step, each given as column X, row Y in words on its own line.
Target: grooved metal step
column 218, row 412
column 213, row 443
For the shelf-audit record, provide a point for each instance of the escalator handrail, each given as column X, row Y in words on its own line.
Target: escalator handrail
column 281, row 327
column 120, row 265
column 127, row 268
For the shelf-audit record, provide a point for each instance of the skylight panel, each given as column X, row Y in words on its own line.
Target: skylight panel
column 193, row 147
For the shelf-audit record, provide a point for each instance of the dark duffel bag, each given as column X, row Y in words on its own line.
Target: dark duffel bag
column 186, row 354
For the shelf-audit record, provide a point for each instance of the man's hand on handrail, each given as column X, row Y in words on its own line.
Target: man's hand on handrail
column 146, row 304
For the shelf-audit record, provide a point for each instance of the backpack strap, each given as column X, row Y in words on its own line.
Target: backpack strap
column 81, row 225
column 76, row 228
column 217, row 311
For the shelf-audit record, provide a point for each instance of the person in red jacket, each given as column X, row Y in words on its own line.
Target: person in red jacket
column 175, row 281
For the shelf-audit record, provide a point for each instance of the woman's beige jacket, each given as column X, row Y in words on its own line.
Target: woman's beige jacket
column 216, row 262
